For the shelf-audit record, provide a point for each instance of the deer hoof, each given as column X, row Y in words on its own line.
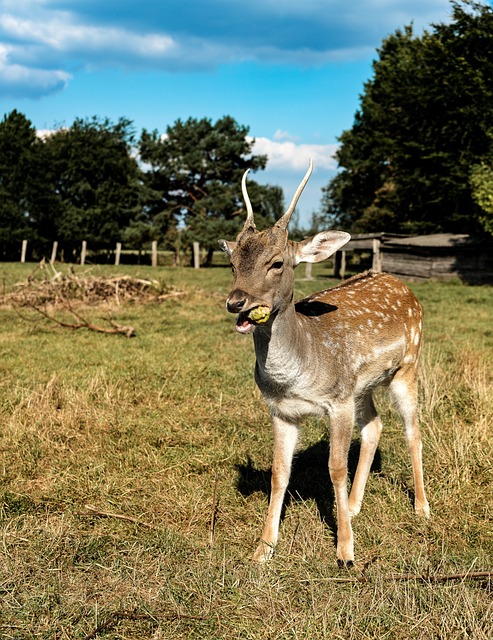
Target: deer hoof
column 354, row 510
column 422, row 509
column 345, row 564
column 264, row 552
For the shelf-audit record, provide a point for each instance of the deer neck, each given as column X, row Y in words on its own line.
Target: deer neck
column 277, row 346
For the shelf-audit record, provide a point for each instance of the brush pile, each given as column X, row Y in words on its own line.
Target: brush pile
column 89, row 290
column 58, row 295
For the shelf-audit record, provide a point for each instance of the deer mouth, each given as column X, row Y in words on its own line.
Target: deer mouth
column 248, row 320
column 244, row 324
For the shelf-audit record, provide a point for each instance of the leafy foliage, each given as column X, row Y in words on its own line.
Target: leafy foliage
column 425, row 119
column 482, row 192
column 20, row 185
column 96, row 180
column 195, row 175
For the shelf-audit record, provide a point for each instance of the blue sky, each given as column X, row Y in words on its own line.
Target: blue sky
column 291, row 70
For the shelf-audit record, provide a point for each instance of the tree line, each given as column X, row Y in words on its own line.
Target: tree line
column 418, row 159
column 94, row 181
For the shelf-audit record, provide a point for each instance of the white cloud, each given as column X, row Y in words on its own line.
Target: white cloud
column 60, row 32
column 284, row 135
column 44, row 134
column 294, row 157
column 18, row 80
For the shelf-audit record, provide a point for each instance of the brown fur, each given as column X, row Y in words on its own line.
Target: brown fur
column 325, row 355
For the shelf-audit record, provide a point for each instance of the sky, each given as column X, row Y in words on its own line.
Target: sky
column 291, row 70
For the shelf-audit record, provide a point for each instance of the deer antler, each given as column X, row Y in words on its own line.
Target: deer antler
column 283, row 222
column 249, row 222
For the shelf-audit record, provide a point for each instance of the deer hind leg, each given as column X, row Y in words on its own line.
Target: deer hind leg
column 370, row 429
column 341, row 428
column 285, row 438
column 404, row 392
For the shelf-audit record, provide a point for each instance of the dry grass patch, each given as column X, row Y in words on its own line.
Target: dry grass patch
column 135, row 475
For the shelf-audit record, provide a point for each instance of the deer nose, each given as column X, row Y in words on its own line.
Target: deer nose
column 236, row 301
column 235, row 306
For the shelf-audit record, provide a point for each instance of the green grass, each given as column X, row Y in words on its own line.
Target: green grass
column 169, row 430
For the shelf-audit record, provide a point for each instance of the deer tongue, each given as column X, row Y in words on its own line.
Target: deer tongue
column 244, row 324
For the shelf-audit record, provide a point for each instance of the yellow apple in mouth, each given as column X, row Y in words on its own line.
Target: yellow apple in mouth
column 259, row 314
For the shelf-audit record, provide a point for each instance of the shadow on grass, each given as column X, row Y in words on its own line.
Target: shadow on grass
column 310, row 479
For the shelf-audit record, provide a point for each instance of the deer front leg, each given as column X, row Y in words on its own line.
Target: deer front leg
column 342, row 421
column 285, row 438
column 370, row 427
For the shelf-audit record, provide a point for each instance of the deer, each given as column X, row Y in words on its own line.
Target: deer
column 324, row 356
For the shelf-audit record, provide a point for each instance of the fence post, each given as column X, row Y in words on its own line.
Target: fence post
column 118, row 253
column 24, row 251
column 83, row 252
column 377, row 258
column 339, row 264
column 53, row 252
column 308, row 271
column 154, row 253
column 342, row 271
column 196, row 255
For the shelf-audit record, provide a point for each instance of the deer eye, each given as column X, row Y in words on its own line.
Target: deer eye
column 279, row 264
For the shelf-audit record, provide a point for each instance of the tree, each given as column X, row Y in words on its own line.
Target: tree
column 425, row 119
column 195, row 173
column 97, row 182
column 482, row 192
column 19, row 181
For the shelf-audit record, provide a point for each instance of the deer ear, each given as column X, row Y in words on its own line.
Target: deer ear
column 320, row 246
column 227, row 246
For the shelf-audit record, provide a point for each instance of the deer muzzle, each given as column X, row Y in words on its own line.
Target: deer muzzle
column 249, row 315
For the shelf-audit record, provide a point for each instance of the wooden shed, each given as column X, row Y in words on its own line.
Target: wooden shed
column 368, row 248
column 439, row 256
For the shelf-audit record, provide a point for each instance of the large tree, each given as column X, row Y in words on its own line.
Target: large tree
column 194, row 173
column 409, row 163
column 21, row 185
column 97, row 181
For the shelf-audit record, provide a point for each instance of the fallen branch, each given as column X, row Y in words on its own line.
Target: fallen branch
column 403, row 577
column 92, row 511
column 127, row 331
column 473, row 575
column 170, row 294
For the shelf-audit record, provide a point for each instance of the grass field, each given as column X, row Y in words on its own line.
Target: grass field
column 135, row 473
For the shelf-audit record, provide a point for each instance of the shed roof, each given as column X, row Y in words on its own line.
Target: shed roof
column 441, row 240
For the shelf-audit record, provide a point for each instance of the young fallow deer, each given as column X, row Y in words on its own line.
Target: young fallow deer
column 324, row 355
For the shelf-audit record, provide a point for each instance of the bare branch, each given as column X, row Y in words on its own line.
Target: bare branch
column 92, row 511
column 127, row 331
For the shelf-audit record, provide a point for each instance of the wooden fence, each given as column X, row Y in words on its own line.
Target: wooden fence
column 365, row 242
column 118, row 253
